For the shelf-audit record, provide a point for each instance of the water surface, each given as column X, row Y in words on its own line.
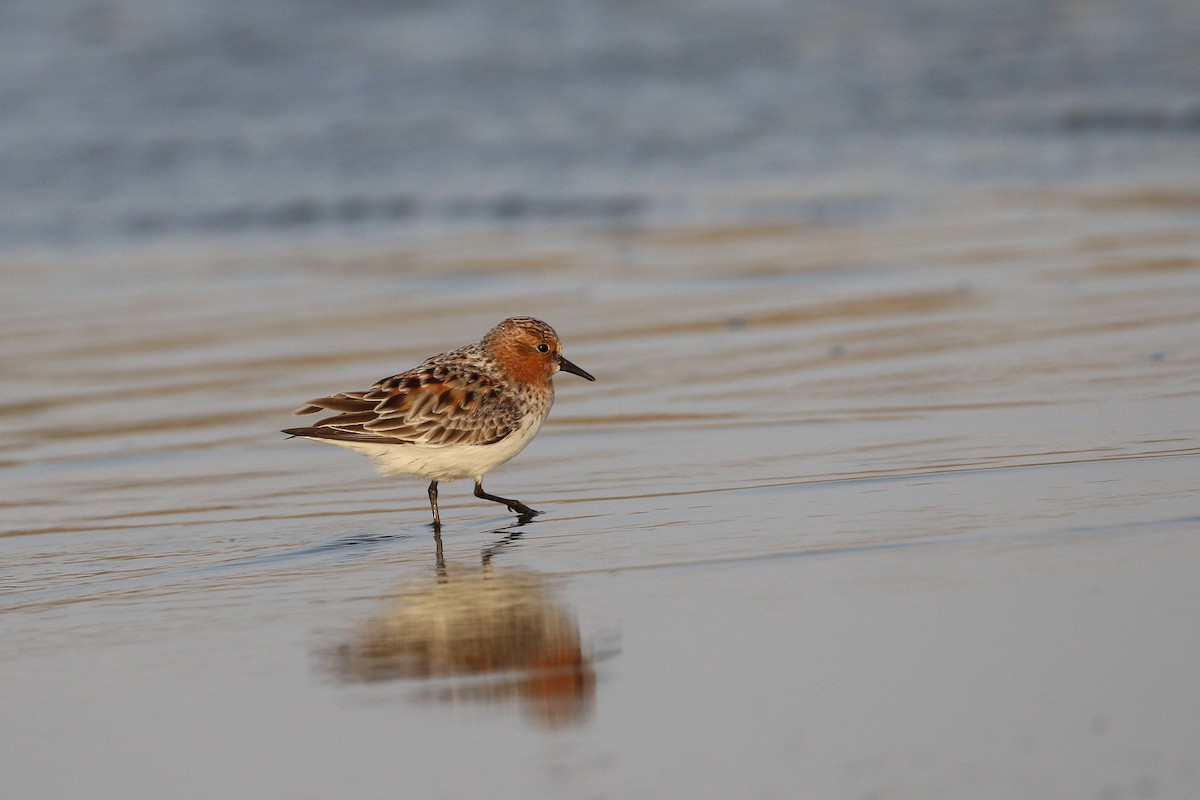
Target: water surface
column 885, row 488
column 896, row 509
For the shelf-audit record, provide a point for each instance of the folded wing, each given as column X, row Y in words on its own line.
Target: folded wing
column 429, row 406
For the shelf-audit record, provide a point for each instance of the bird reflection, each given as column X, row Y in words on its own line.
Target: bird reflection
column 497, row 634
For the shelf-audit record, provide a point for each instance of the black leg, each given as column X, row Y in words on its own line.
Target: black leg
column 437, row 518
column 516, row 506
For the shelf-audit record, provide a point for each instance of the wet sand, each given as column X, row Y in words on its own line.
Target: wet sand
column 901, row 506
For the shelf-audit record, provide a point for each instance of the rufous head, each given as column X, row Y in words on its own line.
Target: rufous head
column 530, row 350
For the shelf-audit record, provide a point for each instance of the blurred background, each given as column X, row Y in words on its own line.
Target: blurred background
column 128, row 121
column 886, row 487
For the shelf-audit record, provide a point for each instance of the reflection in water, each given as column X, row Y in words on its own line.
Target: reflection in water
column 500, row 626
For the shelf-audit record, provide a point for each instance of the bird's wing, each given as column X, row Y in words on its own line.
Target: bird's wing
column 430, row 405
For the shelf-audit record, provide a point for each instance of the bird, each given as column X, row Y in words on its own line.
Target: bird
column 456, row 415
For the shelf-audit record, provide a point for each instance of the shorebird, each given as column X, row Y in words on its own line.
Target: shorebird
column 456, row 415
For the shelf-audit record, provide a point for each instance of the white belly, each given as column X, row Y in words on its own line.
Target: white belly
column 446, row 463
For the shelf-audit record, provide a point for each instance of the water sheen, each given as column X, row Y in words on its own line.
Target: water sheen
column 886, row 487
column 893, row 507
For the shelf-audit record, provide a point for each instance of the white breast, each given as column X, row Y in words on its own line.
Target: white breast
column 449, row 462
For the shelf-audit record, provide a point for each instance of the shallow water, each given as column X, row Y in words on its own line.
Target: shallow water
column 127, row 120
column 886, row 487
column 898, row 507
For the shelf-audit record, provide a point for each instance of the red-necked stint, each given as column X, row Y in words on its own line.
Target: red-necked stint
column 456, row 415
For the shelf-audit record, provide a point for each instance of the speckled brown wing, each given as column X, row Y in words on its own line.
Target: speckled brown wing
column 438, row 403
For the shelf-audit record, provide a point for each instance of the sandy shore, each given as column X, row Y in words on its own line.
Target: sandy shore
column 897, row 507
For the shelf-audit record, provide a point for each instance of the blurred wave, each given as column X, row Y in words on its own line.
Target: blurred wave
column 129, row 120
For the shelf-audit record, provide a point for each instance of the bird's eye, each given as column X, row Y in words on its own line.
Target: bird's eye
column 543, row 348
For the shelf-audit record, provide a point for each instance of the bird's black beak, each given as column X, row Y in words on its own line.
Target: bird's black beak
column 567, row 366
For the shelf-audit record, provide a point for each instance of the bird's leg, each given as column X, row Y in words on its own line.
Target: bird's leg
column 516, row 506
column 437, row 518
